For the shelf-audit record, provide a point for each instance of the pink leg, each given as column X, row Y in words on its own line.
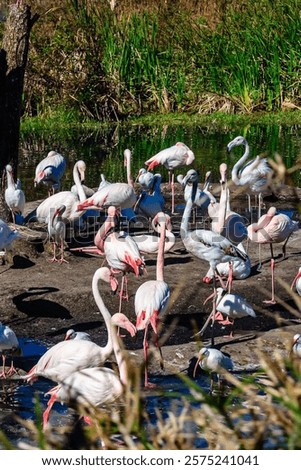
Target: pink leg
column 46, row 413
column 230, row 277
column 54, row 258
column 3, row 374
column 11, row 371
column 147, row 384
column 272, row 301
column 63, row 260
column 172, row 193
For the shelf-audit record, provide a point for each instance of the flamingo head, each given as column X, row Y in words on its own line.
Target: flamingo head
column 223, row 172
column 127, row 156
column 120, row 320
column 239, row 140
column 81, row 166
column 69, row 335
column 204, row 352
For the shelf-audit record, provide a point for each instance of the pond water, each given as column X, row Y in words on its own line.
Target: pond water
column 102, row 150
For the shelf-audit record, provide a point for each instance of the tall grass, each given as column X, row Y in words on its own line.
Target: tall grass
column 166, row 57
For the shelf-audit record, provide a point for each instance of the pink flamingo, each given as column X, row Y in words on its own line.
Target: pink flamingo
column 152, row 298
column 50, row 171
column 173, row 157
column 66, row 357
column 272, row 228
column 94, row 385
column 150, row 243
column 57, row 232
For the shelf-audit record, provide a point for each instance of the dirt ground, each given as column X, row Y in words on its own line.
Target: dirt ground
column 43, row 300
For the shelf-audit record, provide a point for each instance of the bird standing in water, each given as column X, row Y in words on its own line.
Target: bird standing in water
column 215, row 362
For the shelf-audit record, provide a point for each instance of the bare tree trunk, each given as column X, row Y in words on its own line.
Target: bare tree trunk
column 13, row 61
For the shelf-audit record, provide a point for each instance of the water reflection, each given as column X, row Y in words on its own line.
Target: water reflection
column 102, row 150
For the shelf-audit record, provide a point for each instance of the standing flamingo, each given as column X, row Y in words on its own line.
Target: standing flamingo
column 173, row 157
column 150, row 203
column 208, row 246
column 297, row 282
column 255, row 174
column 65, row 357
column 203, row 197
column 272, row 228
column 9, row 344
column 50, row 171
column 14, row 196
column 215, row 362
column 152, row 298
column 67, row 198
column 93, row 385
column 57, row 232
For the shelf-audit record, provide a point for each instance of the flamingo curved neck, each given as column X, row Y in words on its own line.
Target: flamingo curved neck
column 235, row 170
column 10, row 179
column 78, row 184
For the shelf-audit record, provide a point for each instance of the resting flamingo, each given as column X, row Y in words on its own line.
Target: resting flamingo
column 149, row 243
column 172, row 157
column 14, row 195
column 145, row 179
column 152, row 298
column 50, row 171
column 94, row 385
column 67, row 198
column 57, row 232
column 297, row 282
column 9, row 344
column 65, row 357
column 255, row 174
column 7, row 235
column 76, row 335
column 272, row 228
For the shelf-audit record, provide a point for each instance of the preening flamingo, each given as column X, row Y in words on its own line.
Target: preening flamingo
column 145, row 179
column 152, row 298
column 172, row 157
column 67, row 198
column 297, row 282
column 9, row 344
column 76, row 335
column 14, row 195
column 50, row 171
column 215, row 362
column 150, row 203
column 57, row 232
column 149, row 243
column 95, row 386
column 272, row 228
column 66, row 357
column 255, row 174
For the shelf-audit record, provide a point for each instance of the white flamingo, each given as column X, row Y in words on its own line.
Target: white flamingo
column 297, row 282
column 9, row 344
column 57, row 232
column 150, row 203
column 7, row 235
column 67, row 198
column 14, row 195
column 145, row 179
column 272, row 228
column 65, row 357
column 255, row 174
column 95, row 386
column 152, row 298
column 203, row 197
column 76, row 335
column 172, row 157
column 149, row 243
column 50, row 171
column 215, row 362
column 296, row 348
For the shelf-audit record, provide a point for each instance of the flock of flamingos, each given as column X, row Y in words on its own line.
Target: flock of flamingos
column 76, row 364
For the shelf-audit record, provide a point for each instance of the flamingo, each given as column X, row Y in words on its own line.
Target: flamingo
column 203, row 197
column 65, row 357
column 150, row 203
column 240, row 268
column 255, row 174
column 149, row 243
column 231, row 306
column 145, row 179
column 50, row 171
column 296, row 348
column 208, row 246
column 172, row 157
column 215, row 362
column 152, row 298
column 272, row 228
column 14, row 196
column 67, row 198
column 297, row 282
column 57, row 232
column 94, row 385
column 224, row 221
column 88, row 191
column 7, row 235
column 9, row 344
column 76, row 335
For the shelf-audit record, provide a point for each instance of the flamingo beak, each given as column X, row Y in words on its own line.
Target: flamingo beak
column 196, row 364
